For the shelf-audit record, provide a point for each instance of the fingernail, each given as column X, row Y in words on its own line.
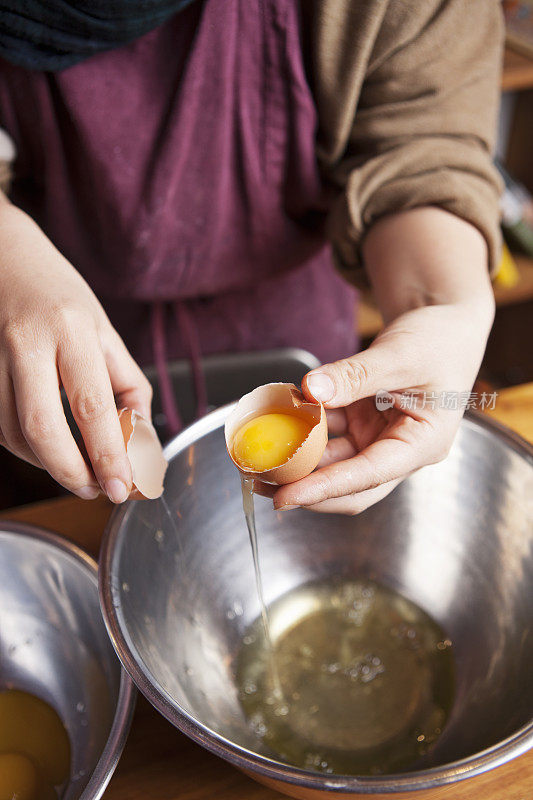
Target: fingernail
column 87, row 492
column 321, row 386
column 116, row 490
column 286, row 508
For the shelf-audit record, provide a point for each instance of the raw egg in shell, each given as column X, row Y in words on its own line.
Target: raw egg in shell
column 275, row 435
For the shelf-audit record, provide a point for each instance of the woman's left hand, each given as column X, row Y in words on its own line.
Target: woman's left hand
column 396, row 406
column 391, row 409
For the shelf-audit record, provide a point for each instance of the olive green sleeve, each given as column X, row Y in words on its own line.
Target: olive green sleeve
column 407, row 96
column 7, row 157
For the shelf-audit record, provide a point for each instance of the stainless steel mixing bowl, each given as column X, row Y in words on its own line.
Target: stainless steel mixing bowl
column 53, row 643
column 456, row 538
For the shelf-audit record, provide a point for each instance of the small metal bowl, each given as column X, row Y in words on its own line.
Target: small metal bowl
column 53, row 643
column 456, row 538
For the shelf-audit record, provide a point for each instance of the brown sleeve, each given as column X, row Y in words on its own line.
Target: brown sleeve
column 407, row 96
column 7, row 156
column 5, row 176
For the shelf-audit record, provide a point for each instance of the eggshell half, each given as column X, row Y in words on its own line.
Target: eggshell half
column 280, row 397
column 145, row 454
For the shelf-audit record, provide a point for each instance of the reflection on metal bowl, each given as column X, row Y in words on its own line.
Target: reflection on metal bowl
column 455, row 538
column 53, row 644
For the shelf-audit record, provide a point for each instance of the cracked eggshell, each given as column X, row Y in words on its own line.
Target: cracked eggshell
column 280, row 397
column 145, row 454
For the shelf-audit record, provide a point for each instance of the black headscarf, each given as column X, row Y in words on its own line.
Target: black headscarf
column 53, row 35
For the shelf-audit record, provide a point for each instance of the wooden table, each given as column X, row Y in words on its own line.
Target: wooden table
column 160, row 763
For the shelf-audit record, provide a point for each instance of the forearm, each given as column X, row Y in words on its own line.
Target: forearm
column 53, row 331
column 425, row 257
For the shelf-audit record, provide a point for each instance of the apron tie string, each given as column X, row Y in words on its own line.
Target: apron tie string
column 168, row 401
column 189, row 336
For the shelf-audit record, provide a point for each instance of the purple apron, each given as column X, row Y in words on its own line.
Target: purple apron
column 178, row 175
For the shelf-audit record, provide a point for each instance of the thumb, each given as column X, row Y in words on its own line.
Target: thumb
column 363, row 375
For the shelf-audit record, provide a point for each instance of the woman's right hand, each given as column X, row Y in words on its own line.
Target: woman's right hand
column 53, row 333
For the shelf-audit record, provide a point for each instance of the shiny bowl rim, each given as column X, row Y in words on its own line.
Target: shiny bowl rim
column 127, row 695
column 502, row 752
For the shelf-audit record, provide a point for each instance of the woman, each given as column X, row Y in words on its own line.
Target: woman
column 197, row 164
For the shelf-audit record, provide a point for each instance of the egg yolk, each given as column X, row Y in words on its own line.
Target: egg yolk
column 18, row 778
column 268, row 441
column 33, row 742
